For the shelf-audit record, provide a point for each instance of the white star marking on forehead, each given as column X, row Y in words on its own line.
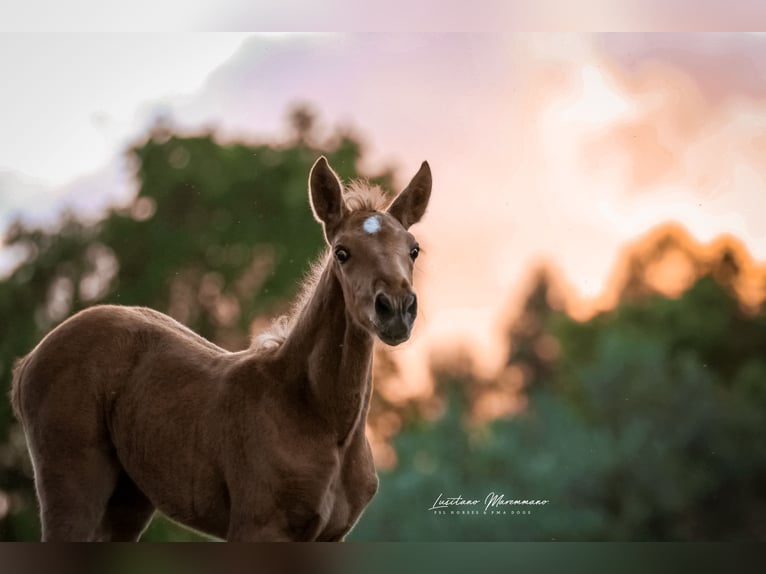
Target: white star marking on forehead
column 371, row 224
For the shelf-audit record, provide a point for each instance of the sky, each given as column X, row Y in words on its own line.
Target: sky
column 557, row 148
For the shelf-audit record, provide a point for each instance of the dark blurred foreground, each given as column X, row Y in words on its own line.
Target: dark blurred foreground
column 646, row 422
column 446, row 558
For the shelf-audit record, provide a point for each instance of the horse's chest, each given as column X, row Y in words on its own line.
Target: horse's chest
column 323, row 486
column 352, row 489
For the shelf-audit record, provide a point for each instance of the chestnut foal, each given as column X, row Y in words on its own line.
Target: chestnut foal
column 127, row 411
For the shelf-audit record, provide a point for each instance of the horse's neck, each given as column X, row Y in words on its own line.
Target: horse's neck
column 335, row 353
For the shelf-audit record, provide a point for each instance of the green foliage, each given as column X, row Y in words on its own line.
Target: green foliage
column 649, row 425
column 217, row 235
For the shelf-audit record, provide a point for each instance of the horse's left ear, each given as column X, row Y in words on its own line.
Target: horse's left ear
column 411, row 204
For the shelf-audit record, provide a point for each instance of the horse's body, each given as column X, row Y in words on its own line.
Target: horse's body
column 127, row 411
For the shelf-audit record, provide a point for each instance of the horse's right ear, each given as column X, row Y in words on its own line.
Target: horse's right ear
column 326, row 196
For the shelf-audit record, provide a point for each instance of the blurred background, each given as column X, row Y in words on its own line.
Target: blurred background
column 592, row 328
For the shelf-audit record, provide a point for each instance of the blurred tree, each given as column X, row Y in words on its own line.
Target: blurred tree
column 647, row 423
column 302, row 120
column 533, row 350
column 217, row 235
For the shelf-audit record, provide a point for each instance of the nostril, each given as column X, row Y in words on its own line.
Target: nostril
column 383, row 306
column 411, row 304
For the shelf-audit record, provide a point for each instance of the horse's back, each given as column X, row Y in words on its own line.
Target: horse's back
column 98, row 348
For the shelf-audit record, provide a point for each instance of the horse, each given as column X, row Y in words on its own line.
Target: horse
column 127, row 411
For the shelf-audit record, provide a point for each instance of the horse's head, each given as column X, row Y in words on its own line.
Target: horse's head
column 373, row 253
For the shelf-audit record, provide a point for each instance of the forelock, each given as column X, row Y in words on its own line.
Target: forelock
column 360, row 195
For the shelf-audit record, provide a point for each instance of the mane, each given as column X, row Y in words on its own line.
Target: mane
column 358, row 195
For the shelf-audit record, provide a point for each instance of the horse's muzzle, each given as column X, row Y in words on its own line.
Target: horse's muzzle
column 394, row 317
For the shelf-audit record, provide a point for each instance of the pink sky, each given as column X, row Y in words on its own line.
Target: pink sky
column 549, row 147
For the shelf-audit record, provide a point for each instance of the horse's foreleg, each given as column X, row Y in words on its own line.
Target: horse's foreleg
column 242, row 528
column 252, row 533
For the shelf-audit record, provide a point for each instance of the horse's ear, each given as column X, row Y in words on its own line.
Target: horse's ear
column 411, row 203
column 325, row 196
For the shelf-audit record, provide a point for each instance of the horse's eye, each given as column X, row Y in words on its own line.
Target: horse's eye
column 342, row 254
column 414, row 253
